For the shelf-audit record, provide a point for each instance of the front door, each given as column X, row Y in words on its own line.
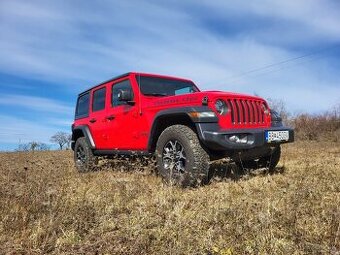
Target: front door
column 122, row 118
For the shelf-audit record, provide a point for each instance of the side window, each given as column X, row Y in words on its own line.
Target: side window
column 185, row 90
column 82, row 109
column 98, row 102
column 123, row 85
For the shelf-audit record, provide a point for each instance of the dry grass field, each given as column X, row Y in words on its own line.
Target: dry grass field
column 47, row 207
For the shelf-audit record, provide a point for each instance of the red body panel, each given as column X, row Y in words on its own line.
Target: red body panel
column 131, row 126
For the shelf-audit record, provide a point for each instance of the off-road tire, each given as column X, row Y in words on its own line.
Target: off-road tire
column 269, row 161
column 196, row 162
column 87, row 161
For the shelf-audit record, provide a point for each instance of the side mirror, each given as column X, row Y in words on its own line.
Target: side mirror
column 125, row 96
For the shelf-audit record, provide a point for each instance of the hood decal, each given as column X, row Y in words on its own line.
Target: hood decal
column 181, row 100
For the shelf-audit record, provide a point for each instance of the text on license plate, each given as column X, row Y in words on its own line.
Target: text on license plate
column 277, row 136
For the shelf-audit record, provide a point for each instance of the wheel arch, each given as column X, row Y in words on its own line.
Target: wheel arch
column 176, row 116
column 82, row 131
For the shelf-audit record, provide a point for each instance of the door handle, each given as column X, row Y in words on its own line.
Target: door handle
column 93, row 120
column 110, row 117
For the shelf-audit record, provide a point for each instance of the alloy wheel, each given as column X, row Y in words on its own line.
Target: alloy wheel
column 174, row 157
column 81, row 156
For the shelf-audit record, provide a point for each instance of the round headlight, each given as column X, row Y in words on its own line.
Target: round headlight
column 221, row 107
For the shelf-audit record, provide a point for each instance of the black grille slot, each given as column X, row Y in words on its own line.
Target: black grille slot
column 232, row 110
column 250, row 112
column 238, row 111
column 243, row 105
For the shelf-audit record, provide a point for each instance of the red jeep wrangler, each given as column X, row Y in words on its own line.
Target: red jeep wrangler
column 170, row 117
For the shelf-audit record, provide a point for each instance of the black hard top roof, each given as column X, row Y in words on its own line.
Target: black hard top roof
column 112, row 79
column 127, row 74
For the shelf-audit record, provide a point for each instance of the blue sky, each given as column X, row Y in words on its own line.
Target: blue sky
column 52, row 50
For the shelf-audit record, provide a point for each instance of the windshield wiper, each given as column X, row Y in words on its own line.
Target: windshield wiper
column 156, row 94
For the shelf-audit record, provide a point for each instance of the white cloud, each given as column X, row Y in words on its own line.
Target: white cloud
column 80, row 44
column 24, row 131
column 37, row 104
column 60, row 122
column 312, row 18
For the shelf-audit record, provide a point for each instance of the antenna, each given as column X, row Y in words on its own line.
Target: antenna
column 280, row 63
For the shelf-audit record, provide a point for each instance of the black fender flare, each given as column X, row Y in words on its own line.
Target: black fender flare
column 183, row 112
column 87, row 134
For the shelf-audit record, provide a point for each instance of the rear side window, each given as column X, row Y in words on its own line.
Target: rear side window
column 82, row 109
column 99, row 99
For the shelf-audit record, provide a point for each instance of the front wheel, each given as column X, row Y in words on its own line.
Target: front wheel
column 181, row 160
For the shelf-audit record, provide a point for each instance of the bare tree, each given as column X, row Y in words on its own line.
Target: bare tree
column 23, row 147
column 60, row 138
column 43, row 147
column 336, row 111
column 69, row 139
column 279, row 106
column 33, row 146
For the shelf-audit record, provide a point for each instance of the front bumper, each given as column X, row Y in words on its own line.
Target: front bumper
column 219, row 139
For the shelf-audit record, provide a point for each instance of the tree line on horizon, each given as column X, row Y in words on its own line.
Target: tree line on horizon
column 311, row 127
column 62, row 139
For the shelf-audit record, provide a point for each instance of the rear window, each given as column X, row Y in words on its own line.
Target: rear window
column 99, row 99
column 82, row 109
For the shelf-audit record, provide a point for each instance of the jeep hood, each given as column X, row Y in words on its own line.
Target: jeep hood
column 196, row 98
column 229, row 95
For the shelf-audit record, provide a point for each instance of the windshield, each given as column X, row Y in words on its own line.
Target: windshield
column 156, row 86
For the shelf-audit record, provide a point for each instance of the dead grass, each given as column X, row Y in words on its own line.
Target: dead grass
column 47, row 207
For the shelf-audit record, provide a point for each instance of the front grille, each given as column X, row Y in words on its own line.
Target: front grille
column 244, row 111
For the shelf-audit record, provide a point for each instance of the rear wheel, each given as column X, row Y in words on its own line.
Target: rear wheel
column 180, row 158
column 84, row 159
column 269, row 161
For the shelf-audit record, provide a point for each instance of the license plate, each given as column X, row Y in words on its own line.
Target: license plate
column 277, row 136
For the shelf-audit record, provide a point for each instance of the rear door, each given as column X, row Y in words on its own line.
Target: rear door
column 97, row 119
